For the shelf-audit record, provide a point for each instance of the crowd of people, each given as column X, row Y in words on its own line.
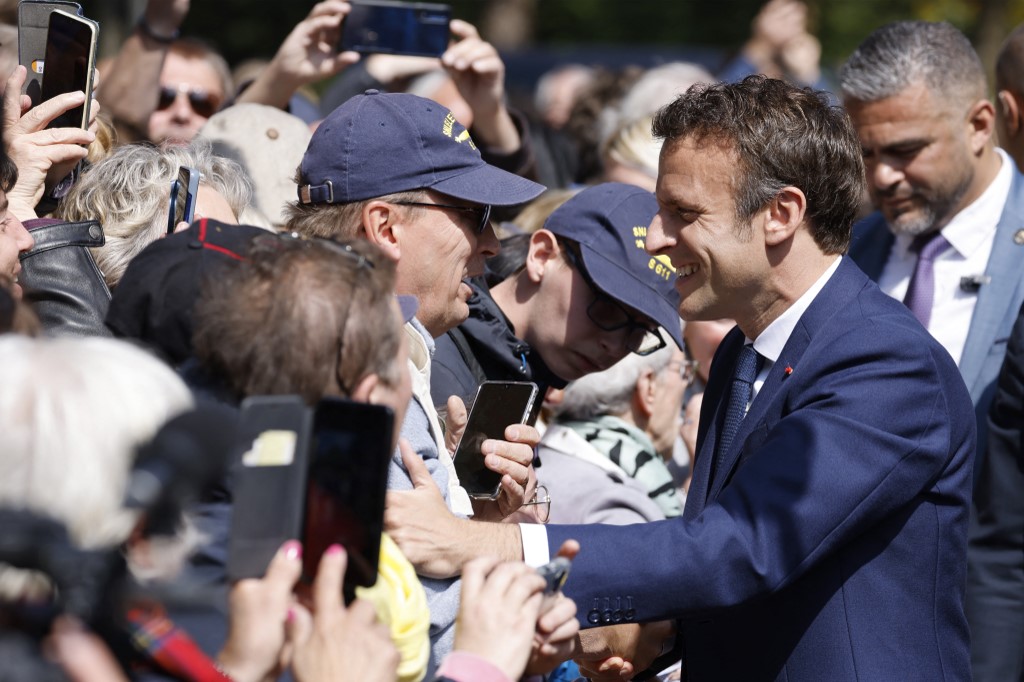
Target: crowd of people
column 777, row 332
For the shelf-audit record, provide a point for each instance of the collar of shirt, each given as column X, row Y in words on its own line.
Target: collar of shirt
column 968, row 230
column 772, row 340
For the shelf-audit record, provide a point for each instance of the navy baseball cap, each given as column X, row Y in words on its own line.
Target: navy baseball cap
column 382, row 143
column 609, row 222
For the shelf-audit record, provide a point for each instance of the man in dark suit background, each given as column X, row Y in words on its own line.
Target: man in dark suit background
column 948, row 240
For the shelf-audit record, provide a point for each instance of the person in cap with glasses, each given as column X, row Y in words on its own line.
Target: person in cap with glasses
column 587, row 295
column 401, row 172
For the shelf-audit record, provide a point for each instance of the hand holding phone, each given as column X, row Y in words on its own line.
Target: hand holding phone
column 498, row 404
column 184, row 191
column 33, row 26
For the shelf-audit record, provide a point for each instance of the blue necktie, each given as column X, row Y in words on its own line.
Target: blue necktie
column 739, row 397
column 921, row 290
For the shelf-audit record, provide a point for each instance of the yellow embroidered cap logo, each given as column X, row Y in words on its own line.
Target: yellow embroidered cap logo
column 449, row 123
column 660, row 265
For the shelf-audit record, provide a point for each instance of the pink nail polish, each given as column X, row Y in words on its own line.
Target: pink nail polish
column 290, row 616
column 293, row 549
column 333, row 550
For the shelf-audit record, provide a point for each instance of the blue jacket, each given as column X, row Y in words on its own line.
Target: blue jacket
column 830, row 543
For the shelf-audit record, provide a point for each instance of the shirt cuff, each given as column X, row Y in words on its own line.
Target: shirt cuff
column 535, row 544
column 466, row 667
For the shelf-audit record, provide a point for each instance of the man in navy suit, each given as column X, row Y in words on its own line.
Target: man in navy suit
column 824, row 538
column 824, row 535
column 916, row 93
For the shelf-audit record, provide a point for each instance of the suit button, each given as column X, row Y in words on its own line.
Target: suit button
column 593, row 617
column 606, row 617
column 617, row 616
column 629, row 615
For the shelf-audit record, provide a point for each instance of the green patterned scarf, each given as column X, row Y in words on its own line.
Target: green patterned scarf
column 632, row 450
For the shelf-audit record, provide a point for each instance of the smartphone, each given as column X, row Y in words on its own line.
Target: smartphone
column 33, row 25
column 69, row 64
column 409, row 28
column 270, row 481
column 347, row 484
column 555, row 573
column 497, row 405
column 183, row 197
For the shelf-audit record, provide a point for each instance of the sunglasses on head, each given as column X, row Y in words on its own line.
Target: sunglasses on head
column 201, row 101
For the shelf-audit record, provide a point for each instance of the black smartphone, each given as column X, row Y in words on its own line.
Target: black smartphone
column 69, row 64
column 347, row 485
column 497, row 405
column 409, row 28
column 555, row 573
column 270, row 481
column 183, row 197
column 33, row 25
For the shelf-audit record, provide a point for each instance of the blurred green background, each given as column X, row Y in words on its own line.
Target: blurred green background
column 714, row 29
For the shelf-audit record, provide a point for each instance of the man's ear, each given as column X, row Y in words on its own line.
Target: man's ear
column 981, row 121
column 1009, row 108
column 381, row 226
column 783, row 215
column 541, row 255
column 366, row 389
column 644, row 392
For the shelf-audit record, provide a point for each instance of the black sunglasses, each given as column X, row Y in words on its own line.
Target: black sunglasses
column 609, row 315
column 202, row 102
column 482, row 212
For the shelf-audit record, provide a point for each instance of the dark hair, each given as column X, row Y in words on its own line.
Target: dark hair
column 271, row 326
column 783, row 136
column 1010, row 63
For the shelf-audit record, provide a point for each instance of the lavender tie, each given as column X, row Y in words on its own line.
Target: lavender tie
column 921, row 291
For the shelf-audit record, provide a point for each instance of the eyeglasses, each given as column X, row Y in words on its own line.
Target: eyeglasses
column 202, row 102
column 687, row 370
column 482, row 211
column 609, row 315
column 541, row 500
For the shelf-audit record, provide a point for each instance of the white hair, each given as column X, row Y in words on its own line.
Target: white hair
column 610, row 391
column 129, row 193
column 72, row 413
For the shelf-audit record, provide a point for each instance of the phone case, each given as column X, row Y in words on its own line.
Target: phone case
column 33, row 24
column 270, row 485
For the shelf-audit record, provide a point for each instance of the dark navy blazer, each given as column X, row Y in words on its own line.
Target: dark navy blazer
column 830, row 544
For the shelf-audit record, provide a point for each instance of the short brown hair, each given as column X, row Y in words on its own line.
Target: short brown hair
column 783, row 136
column 271, row 325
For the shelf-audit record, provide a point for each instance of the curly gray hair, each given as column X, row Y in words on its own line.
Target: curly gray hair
column 128, row 193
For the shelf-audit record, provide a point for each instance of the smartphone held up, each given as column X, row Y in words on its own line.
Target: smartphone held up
column 399, row 28
column 69, row 64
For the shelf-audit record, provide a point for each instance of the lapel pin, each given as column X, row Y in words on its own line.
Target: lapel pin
column 1018, row 237
column 788, row 370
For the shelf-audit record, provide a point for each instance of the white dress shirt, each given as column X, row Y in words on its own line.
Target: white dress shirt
column 971, row 233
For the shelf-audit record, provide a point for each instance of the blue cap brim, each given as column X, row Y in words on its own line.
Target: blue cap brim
column 486, row 184
column 623, row 286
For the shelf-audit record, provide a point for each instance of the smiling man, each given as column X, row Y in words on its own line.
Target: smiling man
column 947, row 240
column 832, row 478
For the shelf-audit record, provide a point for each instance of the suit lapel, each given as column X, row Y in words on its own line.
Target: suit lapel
column 996, row 298
column 871, row 243
column 766, row 408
